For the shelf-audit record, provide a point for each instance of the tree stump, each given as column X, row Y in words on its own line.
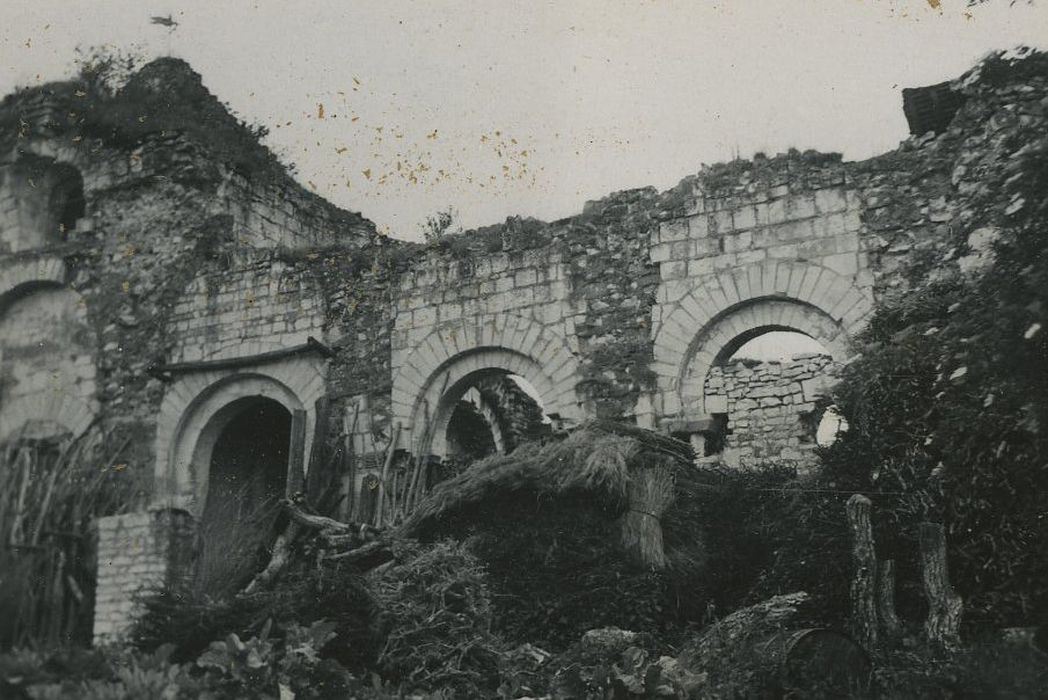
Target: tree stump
column 886, row 597
column 864, row 581
column 944, row 605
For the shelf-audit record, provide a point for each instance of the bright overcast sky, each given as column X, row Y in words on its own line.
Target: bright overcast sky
column 500, row 108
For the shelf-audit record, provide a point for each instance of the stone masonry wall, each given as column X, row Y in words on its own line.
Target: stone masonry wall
column 137, row 553
column 264, row 305
column 769, row 407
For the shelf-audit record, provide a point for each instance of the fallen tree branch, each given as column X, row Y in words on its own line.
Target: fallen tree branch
column 277, row 562
column 315, row 522
column 360, row 552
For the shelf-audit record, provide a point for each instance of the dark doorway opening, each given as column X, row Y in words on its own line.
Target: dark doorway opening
column 469, row 435
column 247, row 478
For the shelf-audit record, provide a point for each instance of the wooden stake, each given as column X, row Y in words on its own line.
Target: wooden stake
column 385, row 473
column 864, row 582
column 348, row 471
column 296, row 453
column 944, row 606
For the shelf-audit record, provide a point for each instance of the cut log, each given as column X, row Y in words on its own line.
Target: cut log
column 864, row 580
column 944, row 605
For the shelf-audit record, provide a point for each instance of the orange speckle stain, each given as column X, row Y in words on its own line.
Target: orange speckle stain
column 320, row 110
column 935, row 4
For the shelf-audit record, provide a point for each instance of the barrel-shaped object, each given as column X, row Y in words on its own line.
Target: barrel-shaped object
column 817, row 662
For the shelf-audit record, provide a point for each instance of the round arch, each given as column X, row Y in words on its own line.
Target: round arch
column 780, row 295
column 47, row 352
column 204, row 421
column 22, row 275
column 719, row 340
column 451, row 381
column 455, row 355
column 197, row 407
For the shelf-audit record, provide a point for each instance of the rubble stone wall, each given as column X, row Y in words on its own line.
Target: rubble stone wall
column 770, row 408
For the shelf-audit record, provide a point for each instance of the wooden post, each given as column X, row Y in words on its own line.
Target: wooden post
column 944, row 605
column 864, row 582
column 317, row 476
column 347, row 468
column 385, row 473
column 296, row 453
column 886, row 597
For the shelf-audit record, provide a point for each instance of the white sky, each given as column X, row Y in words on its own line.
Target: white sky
column 534, row 107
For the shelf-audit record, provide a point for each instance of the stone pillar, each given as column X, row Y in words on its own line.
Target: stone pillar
column 138, row 553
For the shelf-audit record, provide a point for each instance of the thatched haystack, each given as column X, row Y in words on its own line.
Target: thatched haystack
column 597, row 529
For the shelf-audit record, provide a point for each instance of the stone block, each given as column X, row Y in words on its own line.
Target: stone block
column 744, row 218
column 801, row 206
column 698, row 226
column 673, row 230
column 717, row 403
column 673, row 270
column 721, row 221
column 736, row 242
column 828, row 201
column 524, row 278
column 846, row 264
column 661, row 252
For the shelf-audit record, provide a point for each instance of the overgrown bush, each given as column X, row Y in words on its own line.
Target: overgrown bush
column 948, row 402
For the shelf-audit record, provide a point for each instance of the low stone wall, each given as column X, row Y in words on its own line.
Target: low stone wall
column 770, row 407
column 138, row 553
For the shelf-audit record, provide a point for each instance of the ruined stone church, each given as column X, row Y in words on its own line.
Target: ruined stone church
column 164, row 279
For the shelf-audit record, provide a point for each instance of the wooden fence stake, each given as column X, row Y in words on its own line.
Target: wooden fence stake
column 385, row 473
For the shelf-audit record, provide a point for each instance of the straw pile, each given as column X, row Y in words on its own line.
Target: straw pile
column 631, row 473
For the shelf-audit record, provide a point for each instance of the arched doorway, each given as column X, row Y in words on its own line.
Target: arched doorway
column 247, row 476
